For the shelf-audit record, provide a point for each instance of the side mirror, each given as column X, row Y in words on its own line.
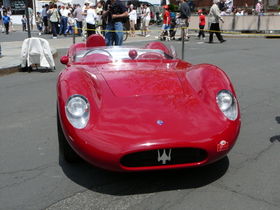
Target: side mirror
column 64, row 60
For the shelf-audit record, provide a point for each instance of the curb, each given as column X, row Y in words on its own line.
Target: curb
column 17, row 68
column 10, row 70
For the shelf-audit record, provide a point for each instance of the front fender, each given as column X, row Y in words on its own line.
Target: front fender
column 207, row 80
column 77, row 81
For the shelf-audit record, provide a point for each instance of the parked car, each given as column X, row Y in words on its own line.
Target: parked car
column 141, row 108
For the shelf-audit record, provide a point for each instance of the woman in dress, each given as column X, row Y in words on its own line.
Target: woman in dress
column 54, row 19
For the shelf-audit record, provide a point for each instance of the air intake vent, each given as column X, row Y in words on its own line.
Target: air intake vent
column 164, row 157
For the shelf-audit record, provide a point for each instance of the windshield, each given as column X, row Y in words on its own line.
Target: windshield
column 112, row 54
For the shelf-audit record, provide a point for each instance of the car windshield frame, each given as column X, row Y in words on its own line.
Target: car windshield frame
column 118, row 53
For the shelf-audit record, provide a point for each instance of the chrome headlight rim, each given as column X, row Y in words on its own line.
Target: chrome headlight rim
column 230, row 111
column 78, row 121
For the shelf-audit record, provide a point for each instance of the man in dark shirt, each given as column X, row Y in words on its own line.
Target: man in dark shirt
column 185, row 14
column 115, row 14
column 222, row 5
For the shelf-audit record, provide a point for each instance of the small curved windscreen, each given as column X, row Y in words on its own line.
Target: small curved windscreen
column 113, row 54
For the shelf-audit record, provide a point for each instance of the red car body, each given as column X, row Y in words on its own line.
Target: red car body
column 147, row 114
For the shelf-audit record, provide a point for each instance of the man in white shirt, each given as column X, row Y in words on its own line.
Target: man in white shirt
column 214, row 17
column 91, row 20
column 64, row 11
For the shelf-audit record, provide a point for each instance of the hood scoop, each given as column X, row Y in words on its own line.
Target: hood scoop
column 143, row 83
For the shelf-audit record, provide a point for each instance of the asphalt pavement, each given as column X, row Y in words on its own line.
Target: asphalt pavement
column 32, row 176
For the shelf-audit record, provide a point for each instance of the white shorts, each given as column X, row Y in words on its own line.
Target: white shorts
column 146, row 22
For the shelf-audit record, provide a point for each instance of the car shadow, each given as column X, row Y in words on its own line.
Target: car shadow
column 122, row 184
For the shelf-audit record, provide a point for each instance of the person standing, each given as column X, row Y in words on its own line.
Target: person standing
column 166, row 24
column 99, row 24
column 23, row 22
column 78, row 15
column 9, row 13
column 259, row 7
column 185, row 14
column 71, row 23
column 157, row 11
column 173, row 24
column 146, row 20
column 116, row 13
column 39, row 23
column 64, row 11
column 214, row 18
column 30, row 13
column 201, row 24
column 222, row 5
column 45, row 18
column 229, row 6
column 140, row 12
column 84, row 10
column 90, row 20
column 6, row 21
column 132, row 20
column 54, row 19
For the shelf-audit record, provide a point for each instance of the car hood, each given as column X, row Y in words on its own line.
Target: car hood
column 151, row 104
column 125, row 83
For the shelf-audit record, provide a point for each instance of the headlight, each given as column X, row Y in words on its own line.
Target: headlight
column 227, row 104
column 77, row 111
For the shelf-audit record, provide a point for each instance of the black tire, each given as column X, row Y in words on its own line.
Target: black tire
column 65, row 150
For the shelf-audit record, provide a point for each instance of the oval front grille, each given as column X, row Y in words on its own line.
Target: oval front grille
column 170, row 156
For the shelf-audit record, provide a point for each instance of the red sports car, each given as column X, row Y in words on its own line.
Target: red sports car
column 135, row 109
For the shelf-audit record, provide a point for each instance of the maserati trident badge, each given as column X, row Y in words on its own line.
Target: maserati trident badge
column 162, row 156
column 160, row 122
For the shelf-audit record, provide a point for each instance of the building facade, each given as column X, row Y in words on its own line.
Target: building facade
column 17, row 6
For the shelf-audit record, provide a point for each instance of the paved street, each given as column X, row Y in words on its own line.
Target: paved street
column 32, row 177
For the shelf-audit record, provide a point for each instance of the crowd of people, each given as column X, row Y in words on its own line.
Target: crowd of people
column 226, row 7
column 103, row 18
column 108, row 19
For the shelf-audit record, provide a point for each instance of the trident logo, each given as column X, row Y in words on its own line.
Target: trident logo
column 164, row 157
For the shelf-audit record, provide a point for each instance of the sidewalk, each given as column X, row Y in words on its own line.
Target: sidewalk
column 10, row 61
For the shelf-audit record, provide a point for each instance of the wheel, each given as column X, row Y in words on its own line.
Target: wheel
column 68, row 154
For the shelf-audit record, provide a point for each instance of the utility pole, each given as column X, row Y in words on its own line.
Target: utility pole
column 27, row 18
